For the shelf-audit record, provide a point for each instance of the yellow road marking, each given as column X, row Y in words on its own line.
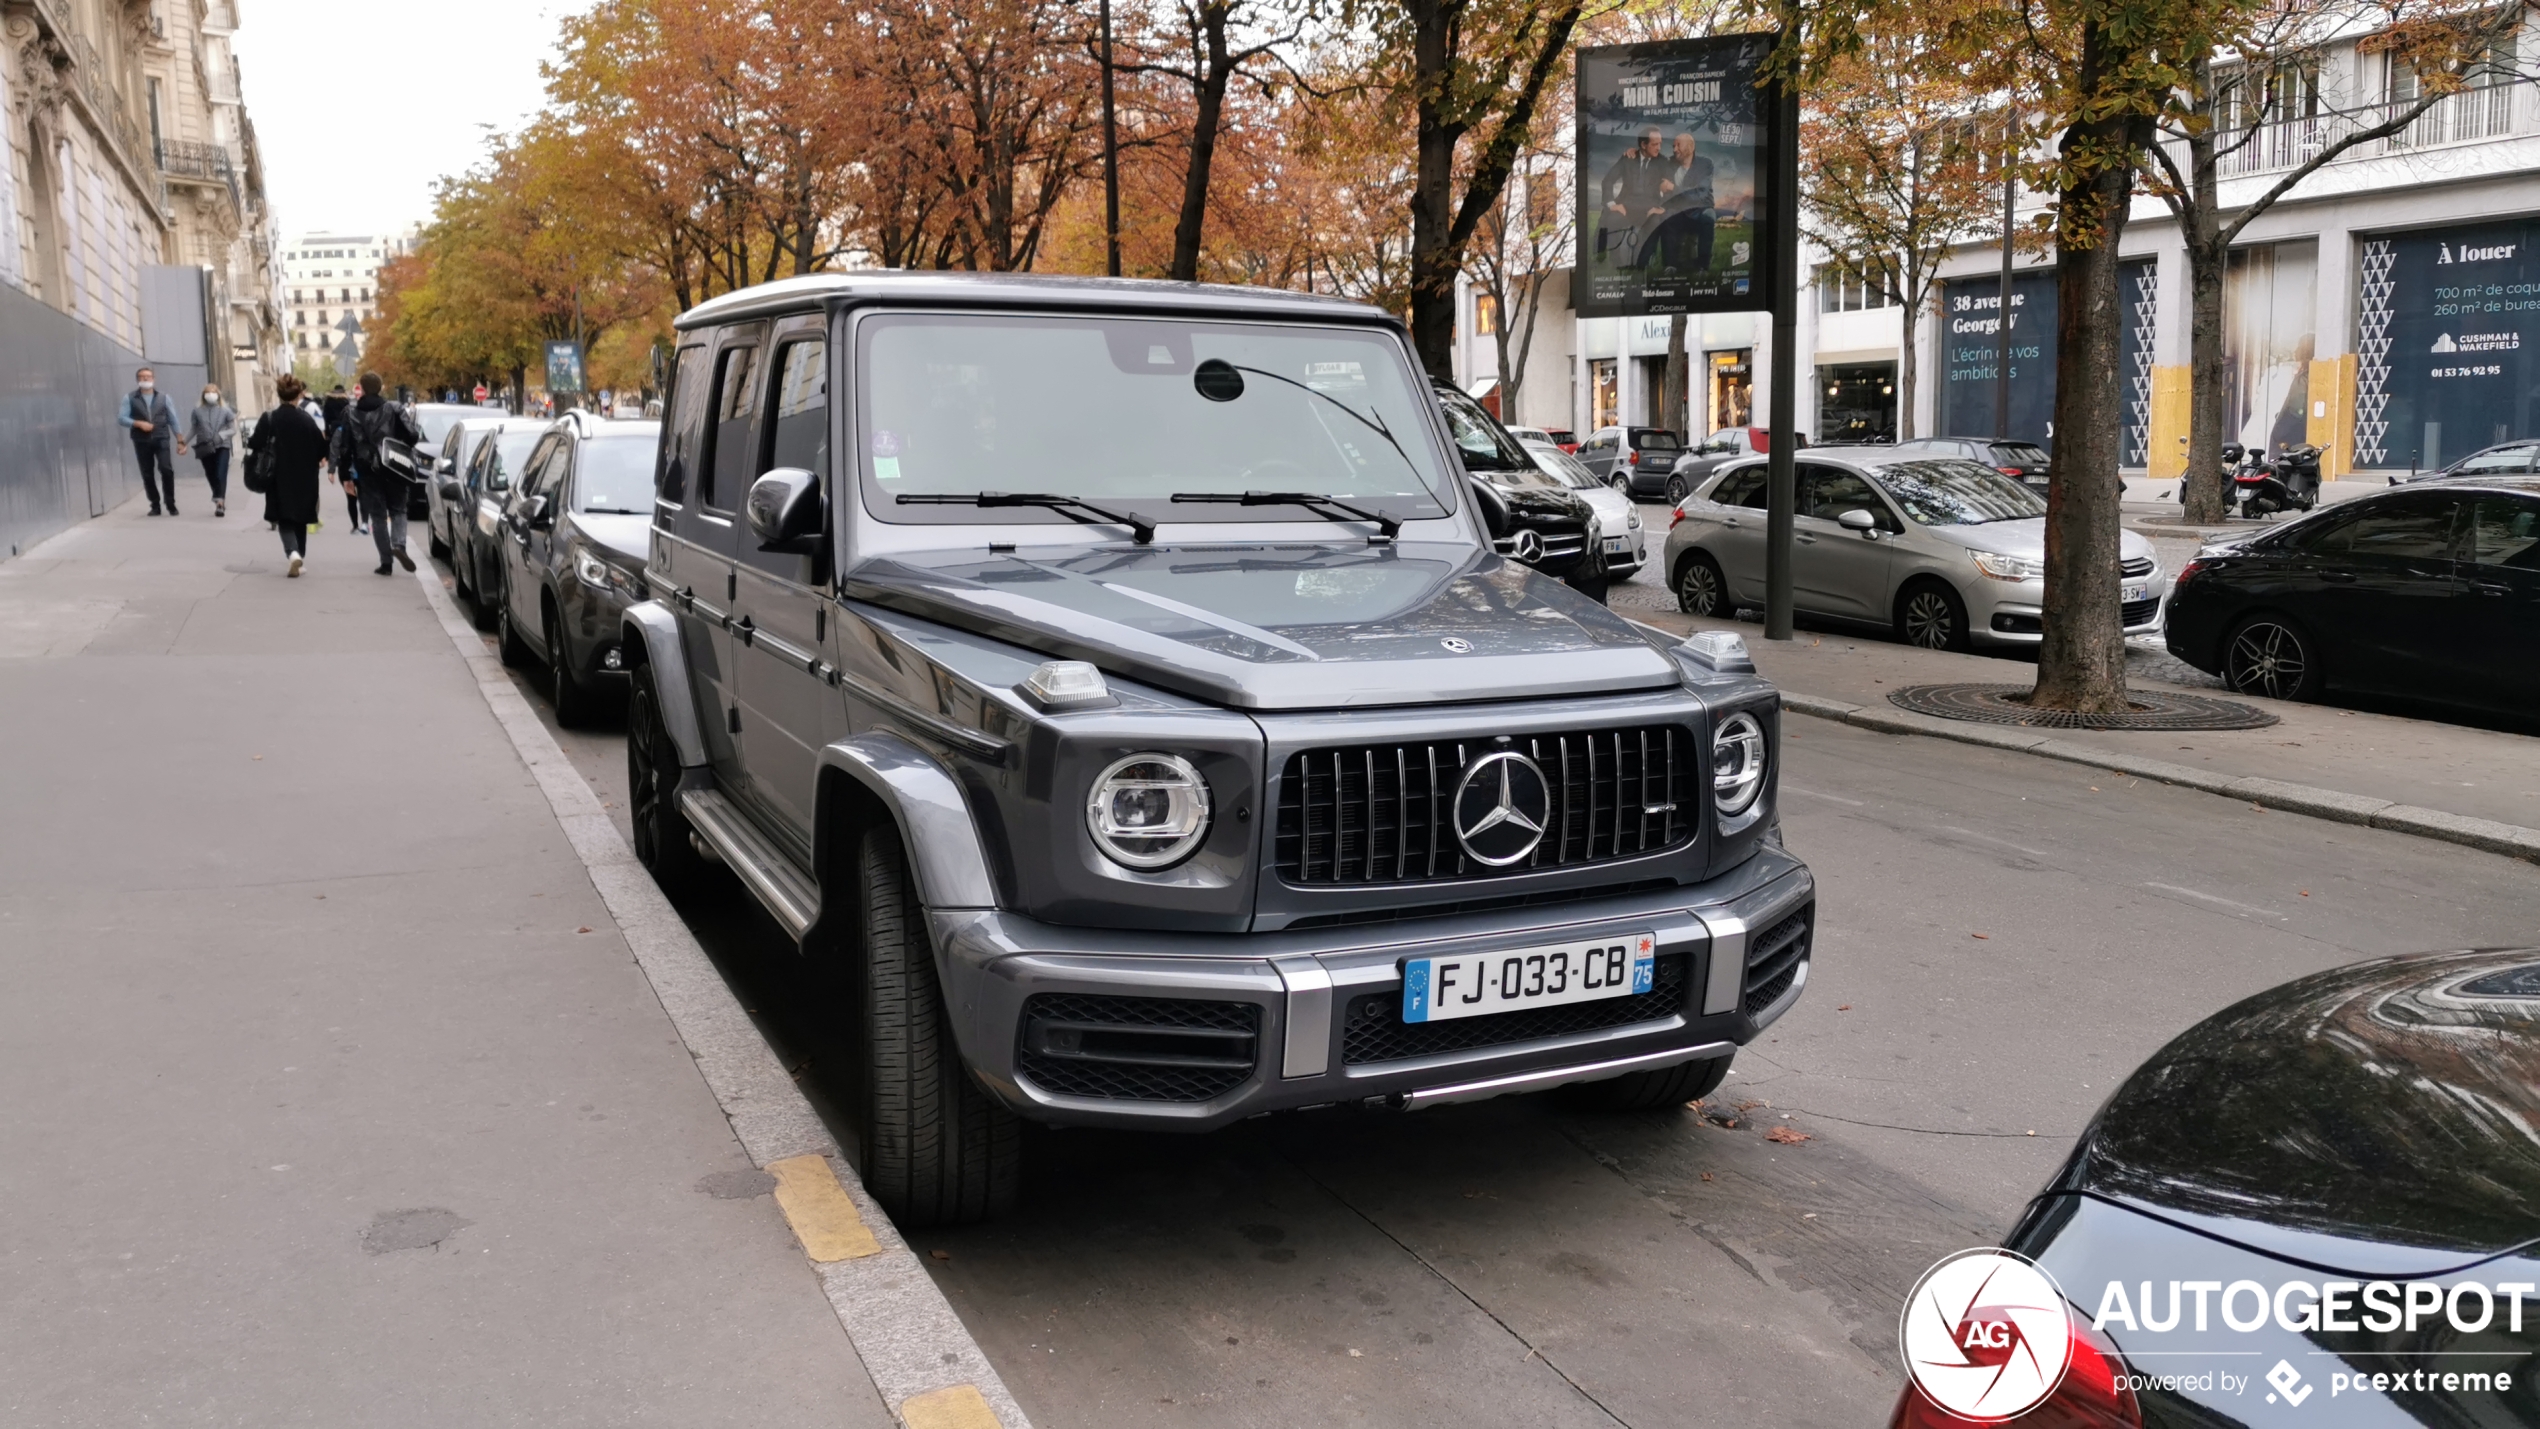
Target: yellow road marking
column 817, row 1207
column 960, row 1407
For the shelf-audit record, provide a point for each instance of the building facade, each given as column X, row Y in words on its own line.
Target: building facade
column 330, row 283
column 2384, row 310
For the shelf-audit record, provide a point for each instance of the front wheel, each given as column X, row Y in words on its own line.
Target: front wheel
column 1700, row 588
column 514, row 650
column 652, row 783
column 1648, row 1091
column 576, row 703
column 2269, row 655
column 1931, row 616
column 938, row 1150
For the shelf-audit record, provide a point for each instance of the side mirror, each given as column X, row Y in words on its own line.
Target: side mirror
column 1859, row 520
column 451, row 491
column 535, row 514
column 784, row 511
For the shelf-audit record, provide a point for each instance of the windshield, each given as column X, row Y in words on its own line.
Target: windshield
column 1108, row 410
column 1564, row 466
column 1942, row 492
column 1656, row 439
column 436, row 423
column 616, row 476
column 510, row 450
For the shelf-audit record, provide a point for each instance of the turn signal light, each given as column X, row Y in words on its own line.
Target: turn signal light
column 2093, row 1394
column 1635, row 458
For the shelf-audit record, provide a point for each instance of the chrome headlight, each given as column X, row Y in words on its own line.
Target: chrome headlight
column 599, row 574
column 1737, row 764
column 1634, row 521
column 1148, row 811
column 2008, row 568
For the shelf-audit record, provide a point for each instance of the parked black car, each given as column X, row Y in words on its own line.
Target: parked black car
column 574, row 540
column 2329, row 1192
column 1532, row 515
column 476, row 513
column 1635, row 461
column 2429, row 592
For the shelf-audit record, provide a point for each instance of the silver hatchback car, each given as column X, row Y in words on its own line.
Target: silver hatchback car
column 1947, row 554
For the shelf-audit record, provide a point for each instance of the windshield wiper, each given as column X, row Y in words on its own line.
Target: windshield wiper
column 1386, row 524
column 1073, row 508
column 1374, row 424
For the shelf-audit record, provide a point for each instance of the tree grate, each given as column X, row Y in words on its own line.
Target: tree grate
column 2008, row 704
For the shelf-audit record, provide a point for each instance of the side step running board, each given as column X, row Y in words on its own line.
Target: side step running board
column 763, row 867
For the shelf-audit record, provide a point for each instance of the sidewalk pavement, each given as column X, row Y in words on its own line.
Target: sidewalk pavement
column 2474, row 786
column 333, row 1093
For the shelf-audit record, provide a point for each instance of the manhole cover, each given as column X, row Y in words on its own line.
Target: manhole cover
column 2008, row 704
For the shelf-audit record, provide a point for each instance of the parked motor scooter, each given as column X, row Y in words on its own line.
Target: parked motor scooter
column 2289, row 483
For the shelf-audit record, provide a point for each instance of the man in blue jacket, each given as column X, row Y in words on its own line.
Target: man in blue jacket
column 152, row 422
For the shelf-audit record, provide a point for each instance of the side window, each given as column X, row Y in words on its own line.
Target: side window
column 1827, row 492
column 2395, row 530
column 547, row 468
column 734, row 444
column 1741, row 488
column 2501, row 459
column 2505, row 531
column 799, row 434
column 683, row 433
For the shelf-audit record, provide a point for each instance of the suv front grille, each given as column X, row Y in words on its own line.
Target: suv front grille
column 1382, row 813
column 1772, row 961
column 1150, row 1049
column 1375, row 1031
column 2139, row 566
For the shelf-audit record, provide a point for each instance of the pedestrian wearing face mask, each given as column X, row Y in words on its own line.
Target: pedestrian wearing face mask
column 152, row 422
column 211, row 428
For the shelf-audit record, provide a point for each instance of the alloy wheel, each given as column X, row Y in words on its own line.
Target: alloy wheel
column 1929, row 621
column 2268, row 659
column 1698, row 589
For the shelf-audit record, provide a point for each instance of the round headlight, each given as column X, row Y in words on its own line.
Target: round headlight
column 1737, row 764
column 1149, row 810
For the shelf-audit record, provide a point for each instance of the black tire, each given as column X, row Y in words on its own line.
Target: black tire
column 577, row 704
column 1930, row 615
column 1648, row 1091
column 1677, row 490
column 2270, row 656
column 652, row 783
column 483, row 606
column 1594, row 589
column 514, row 650
column 1700, row 588
column 938, row 1150
column 440, row 549
column 459, row 583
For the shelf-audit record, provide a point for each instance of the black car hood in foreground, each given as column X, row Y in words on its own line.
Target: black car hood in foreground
column 1276, row 627
column 2382, row 1118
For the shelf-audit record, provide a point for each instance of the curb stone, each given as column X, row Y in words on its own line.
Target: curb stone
column 928, row 1370
column 2487, row 835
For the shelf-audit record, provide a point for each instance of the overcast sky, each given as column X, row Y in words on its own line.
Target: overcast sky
column 360, row 106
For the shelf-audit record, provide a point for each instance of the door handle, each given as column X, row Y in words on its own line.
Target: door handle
column 2338, row 577
column 1805, row 540
column 745, row 629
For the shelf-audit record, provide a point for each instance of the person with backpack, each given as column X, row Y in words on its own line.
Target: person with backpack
column 369, row 469
column 283, row 454
column 152, row 423
column 210, row 427
column 331, row 414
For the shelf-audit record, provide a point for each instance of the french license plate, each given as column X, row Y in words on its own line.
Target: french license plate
column 2138, row 591
column 1617, row 545
column 1477, row 984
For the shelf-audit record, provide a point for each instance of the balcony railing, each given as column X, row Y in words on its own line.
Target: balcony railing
column 2488, row 111
column 204, row 163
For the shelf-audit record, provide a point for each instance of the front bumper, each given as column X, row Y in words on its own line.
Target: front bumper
column 1297, row 990
column 2014, row 612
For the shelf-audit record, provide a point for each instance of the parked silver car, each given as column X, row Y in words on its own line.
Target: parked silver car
column 1946, row 554
column 1617, row 516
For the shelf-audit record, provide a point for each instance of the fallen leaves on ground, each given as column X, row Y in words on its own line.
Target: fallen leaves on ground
column 940, row 1254
column 1786, row 1136
column 1981, row 937
column 1847, row 1007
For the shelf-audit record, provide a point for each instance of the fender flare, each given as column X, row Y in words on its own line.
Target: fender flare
column 650, row 626
column 922, row 797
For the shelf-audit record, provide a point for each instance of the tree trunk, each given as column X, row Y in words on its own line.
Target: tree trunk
column 1205, row 118
column 1671, row 410
column 2202, row 489
column 1433, row 265
column 1532, row 283
column 1908, row 356
column 2081, row 664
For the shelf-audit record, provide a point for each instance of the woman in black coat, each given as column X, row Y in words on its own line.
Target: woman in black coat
column 291, row 497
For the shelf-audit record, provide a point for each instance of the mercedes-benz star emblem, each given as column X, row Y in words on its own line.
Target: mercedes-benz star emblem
column 1457, row 646
column 1501, row 808
column 1527, row 546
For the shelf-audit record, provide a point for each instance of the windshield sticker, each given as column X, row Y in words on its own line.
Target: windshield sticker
column 886, row 442
column 886, row 468
column 1332, row 376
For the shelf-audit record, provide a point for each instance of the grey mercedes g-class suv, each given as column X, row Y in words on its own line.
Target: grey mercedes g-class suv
column 1114, row 685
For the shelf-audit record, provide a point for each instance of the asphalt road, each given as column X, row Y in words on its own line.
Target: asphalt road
column 2001, row 940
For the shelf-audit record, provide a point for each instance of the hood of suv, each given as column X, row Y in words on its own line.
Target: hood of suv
column 1276, row 627
column 629, row 538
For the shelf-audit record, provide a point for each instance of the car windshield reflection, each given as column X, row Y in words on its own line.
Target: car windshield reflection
column 1957, row 493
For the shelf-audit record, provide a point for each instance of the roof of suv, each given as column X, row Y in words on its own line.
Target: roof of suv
column 1029, row 290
